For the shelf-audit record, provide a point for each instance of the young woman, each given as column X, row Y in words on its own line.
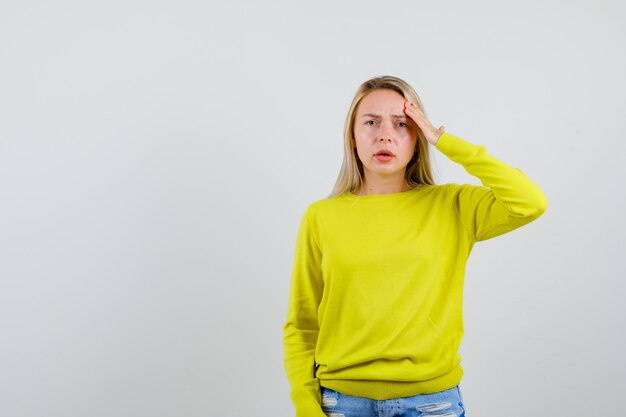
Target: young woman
column 374, row 319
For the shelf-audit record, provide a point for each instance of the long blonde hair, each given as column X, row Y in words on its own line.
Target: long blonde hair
column 418, row 170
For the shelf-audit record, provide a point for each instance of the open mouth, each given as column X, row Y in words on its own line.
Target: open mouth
column 384, row 155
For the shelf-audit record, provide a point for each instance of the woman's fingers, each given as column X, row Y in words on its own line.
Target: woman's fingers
column 415, row 113
column 411, row 111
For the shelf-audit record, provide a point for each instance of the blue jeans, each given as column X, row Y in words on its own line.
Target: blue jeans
column 448, row 403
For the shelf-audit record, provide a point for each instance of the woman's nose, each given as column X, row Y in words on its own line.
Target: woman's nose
column 385, row 133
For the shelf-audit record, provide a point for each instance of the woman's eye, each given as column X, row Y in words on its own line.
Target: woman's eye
column 370, row 122
column 402, row 124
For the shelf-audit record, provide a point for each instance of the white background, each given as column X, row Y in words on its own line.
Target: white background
column 156, row 158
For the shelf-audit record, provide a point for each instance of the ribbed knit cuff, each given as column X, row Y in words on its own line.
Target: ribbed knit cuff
column 309, row 409
column 307, row 399
column 452, row 145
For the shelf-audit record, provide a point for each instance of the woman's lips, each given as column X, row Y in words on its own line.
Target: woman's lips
column 384, row 158
column 384, row 155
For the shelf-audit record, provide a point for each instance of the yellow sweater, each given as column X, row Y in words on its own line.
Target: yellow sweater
column 376, row 289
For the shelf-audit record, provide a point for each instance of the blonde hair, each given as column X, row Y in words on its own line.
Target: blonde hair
column 418, row 170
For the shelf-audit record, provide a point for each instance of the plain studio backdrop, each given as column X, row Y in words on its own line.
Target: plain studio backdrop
column 156, row 158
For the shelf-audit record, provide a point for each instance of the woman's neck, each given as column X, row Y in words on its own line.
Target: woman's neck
column 383, row 188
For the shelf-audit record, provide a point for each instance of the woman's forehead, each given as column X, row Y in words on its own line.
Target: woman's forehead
column 382, row 101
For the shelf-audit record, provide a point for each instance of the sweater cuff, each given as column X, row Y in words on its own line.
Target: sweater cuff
column 309, row 409
column 453, row 145
column 307, row 399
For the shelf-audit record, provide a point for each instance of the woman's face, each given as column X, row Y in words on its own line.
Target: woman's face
column 381, row 124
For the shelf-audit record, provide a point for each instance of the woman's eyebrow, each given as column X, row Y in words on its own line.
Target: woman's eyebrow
column 395, row 116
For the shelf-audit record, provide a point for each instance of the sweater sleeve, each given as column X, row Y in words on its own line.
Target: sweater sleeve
column 301, row 328
column 507, row 200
